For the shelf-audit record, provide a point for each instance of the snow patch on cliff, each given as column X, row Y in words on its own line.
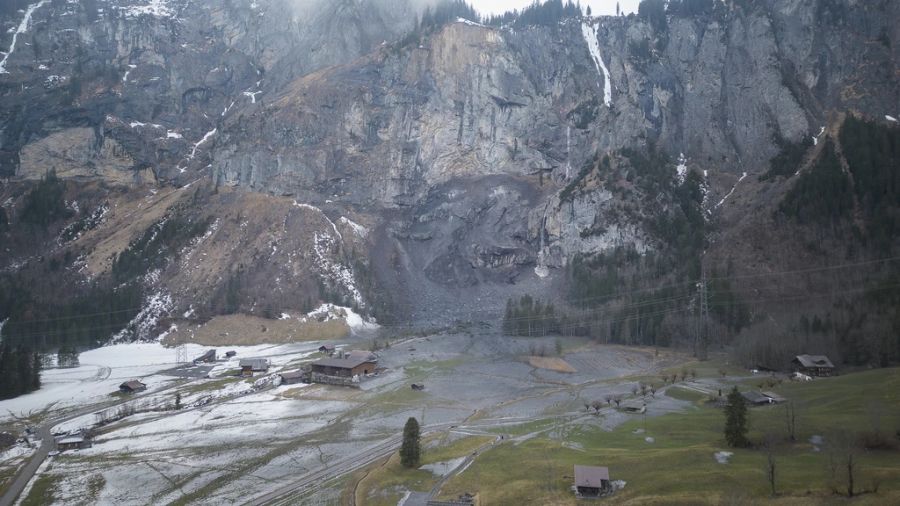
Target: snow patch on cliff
column 590, row 36
column 141, row 326
column 22, row 28
column 205, row 138
column 743, row 175
column 681, row 169
column 890, row 118
column 158, row 8
column 332, row 272
column 358, row 229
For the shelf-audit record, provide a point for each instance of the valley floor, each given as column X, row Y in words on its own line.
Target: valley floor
column 487, row 403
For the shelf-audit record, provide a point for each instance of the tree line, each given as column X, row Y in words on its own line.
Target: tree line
column 20, row 370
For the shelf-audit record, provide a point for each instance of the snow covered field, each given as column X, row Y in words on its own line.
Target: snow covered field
column 102, row 370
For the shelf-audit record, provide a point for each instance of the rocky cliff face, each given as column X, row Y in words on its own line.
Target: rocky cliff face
column 481, row 159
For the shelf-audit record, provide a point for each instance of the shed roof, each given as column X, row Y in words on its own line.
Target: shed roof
column 343, row 363
column 291, row 375
column 367, row 356
column 71, row 440
column 256, row 363
column 591, row 476
column 756, row 397
column 326, row 347
column 133, row 384
column 814, row 361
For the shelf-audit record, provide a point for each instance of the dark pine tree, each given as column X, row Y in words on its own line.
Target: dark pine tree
column 411, row 450
column 736, row 419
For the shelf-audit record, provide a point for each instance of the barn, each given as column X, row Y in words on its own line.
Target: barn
column 344, row 367
column 251, row 365
column 130, row 387
column 813, row 365
column 592, row 481
column 292, row 377
column 72, row 443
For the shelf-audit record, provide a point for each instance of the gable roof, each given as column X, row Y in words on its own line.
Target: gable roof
column 133, row 385
column 255, row 363
column 756, row 397
column 343, row 363
column 591, row 476
column 814, row 361
column 367, row 356
column 291, row 375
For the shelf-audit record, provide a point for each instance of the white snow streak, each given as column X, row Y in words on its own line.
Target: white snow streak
column 252, row 95
column 743, row 175
column 681, row 169
column 22, row 28
column 360, row 230
column 890, row 118
column 590, row 36
column 205, row 138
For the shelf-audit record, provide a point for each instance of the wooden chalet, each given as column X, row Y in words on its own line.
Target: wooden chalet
column 327, row 349
column 592, row 481
column 343, row 367
column 292, row 377
column 130, row 387
column 813, row 365
column 251, row 365
column 72, row 443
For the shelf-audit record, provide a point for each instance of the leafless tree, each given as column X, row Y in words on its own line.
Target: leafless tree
column 653, row 390
column 618, row 400
column 643, row 387
column 843, row 461
column 665, row 378
column 684, row 374
column 723, row 372
column 693, row 373
column 608, row 399
column 634, row 390
column 597, row 405
column 790, row 419
column 770, row 465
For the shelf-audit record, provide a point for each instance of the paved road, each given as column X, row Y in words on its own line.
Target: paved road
column 48, row 444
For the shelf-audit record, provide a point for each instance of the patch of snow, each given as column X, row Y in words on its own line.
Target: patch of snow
column 890, row 118
column 157, row 8
column 649, row 439
column 443, row 468
column 542, row 271
column 403, row 499
column 22, row 28
column 125, row 77
column 205, row 138
column 681, row 169
column 252, row 95
column 173, row 135
column 43, row 67
column 467, row 22
column 589, row 32
column 743, row 175
column 141, row 326
column 722, row 457
column 360, row 230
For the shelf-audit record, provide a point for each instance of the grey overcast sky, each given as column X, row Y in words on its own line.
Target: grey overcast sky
column 598, row 7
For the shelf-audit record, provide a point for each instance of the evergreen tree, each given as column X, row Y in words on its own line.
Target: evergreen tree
column 37, row 365
column 411, row 450
column 736, row 419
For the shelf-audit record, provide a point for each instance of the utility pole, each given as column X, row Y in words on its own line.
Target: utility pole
column 701, row 339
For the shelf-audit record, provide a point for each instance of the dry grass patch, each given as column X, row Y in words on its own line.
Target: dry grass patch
column 243, row 330
column 551, row 363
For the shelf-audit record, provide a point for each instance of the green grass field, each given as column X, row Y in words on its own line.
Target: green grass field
column 679, row 466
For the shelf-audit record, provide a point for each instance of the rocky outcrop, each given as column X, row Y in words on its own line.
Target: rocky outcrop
column 472, row 152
